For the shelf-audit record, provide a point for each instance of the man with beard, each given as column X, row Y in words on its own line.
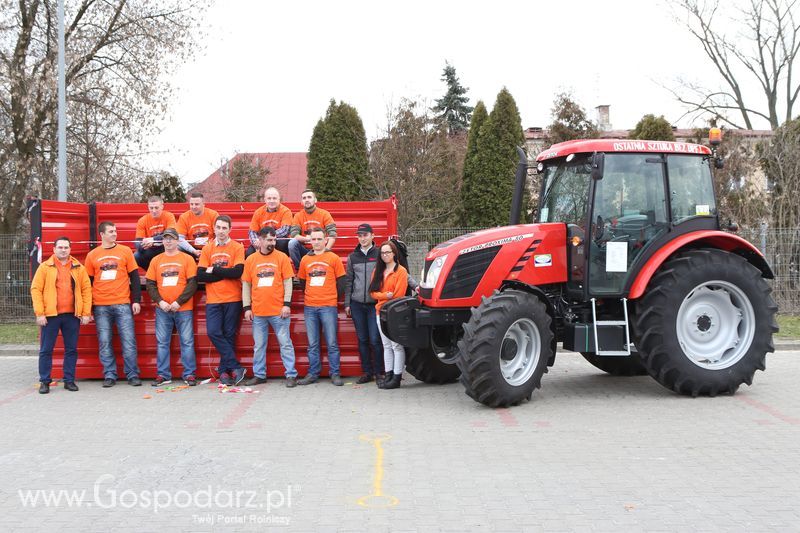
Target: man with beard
column 304, row 221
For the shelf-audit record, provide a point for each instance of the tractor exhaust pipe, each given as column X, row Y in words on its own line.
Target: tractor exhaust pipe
column 519, row 187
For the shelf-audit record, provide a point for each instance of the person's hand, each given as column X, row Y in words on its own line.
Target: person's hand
column 285, row 311
column 196, row 253
column 210, row 270
column 347, row 310
column 85, row 320
column 174, row 306
column 41, row 321
column 389, row 295
column 248, row 315
column 164, row 306
column 136, row 308
column 147, row 242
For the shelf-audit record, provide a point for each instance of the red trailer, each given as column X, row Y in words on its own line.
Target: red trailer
column 51, row 219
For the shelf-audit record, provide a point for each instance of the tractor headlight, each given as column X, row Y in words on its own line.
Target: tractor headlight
column 433, row 272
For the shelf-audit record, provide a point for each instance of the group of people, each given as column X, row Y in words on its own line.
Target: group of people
column 257, row 284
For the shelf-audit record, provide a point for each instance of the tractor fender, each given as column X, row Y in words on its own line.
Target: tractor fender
column 706, row 238
column 551, row 310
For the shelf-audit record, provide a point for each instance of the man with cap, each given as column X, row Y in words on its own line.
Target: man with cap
column 360, row 306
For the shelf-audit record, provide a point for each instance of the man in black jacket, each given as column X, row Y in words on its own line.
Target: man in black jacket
column 360, row 306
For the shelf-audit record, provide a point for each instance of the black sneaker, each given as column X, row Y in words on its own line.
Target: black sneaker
column 190, row 380
column 134, row 382
column 238, row 375
column 159, row 381
column 44, row 388
column 70, row 386
column 291, row 382
column 255, row 380
column 225, row 379
column 308, row 380
column 365, row 378
column 336, row 379
column 108, row 382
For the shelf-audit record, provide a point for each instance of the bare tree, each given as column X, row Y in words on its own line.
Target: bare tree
column 117, row 55
column 245, row 178
column 753, row 52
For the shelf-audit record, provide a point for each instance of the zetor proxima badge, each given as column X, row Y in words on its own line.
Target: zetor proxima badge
column 626, row 264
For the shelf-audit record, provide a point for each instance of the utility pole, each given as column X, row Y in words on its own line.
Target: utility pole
column 62, row 111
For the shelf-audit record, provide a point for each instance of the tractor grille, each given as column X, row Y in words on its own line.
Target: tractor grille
column 467, row 272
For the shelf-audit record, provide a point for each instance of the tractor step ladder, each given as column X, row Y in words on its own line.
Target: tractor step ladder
column 601, row 323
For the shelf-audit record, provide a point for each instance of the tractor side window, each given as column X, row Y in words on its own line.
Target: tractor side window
column 691, row 188
column 567, row 191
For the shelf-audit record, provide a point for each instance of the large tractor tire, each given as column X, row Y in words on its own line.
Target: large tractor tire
column 505, row 349
column 705, row 323
column 617, row 366
column 424, row 365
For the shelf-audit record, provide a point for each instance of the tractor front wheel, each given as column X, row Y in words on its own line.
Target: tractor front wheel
column 505, row 348
column 424, row 364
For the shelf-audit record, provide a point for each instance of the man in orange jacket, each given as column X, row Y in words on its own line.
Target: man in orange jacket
column 62, row 300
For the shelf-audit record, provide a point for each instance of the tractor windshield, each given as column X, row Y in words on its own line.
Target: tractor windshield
column 566, row 192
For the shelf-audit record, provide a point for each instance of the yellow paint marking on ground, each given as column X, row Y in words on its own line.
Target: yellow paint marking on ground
column 377, row 499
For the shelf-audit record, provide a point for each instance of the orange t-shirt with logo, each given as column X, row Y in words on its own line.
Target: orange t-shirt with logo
column 110, row 268
column 266, row 274
column 320, row 273
column 199, row 230
column 227, row 256
column 171, row 273
column 65, row 294
column 318, row 219
column 263, row 218
column 148, row 226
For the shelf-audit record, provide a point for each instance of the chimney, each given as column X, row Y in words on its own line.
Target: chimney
column 603, row 117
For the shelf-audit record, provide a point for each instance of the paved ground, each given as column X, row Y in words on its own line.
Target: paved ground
column 590, row 452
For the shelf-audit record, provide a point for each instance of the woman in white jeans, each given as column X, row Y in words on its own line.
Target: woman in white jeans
column 389, row 281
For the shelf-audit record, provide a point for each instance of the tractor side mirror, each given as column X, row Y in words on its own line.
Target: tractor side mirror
column 597, row 165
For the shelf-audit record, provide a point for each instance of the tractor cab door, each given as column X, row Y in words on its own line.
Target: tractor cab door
column 629, row 211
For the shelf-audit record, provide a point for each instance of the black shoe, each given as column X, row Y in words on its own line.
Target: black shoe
column 44, row 388
column 382, row 380
column 308, row 380
column 238, row 375
column 70, row 386
column 159, row 381
column 291, row 383
column 134, row 382
column 336, row 379
column 255, row 380
column 190, row 380
column 365, row 378
column 392, row 383
column 108, row 382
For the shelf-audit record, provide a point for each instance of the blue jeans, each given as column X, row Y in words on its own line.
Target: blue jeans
column 68, row 324
column 182, row 320
column 363, row 316
column 281, row 328
column 327, row 317
column 105, row 316
column 296, row 251
column 222, row 324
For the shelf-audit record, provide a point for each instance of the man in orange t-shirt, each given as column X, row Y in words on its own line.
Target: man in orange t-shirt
column 220, row 268
column 304, row 221
column 171, row 284
column 321, row 275
column 272, row 214
column 267, row 298
column 115, row 279
column 196, row 226
column 149, row 229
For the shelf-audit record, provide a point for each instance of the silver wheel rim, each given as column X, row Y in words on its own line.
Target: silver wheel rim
column 520, row 351
column 715, row 325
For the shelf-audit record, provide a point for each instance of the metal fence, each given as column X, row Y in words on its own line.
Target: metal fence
column 780, row 246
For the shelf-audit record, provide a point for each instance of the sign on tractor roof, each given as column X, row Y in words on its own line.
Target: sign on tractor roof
column 620, row 145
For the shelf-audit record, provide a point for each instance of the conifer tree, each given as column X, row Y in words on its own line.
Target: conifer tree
column 470, row 184
column 652, row 128
column 452, row 108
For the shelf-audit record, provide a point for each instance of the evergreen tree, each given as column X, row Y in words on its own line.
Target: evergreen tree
column 452, row 108
column 165, row 185
column 471, row 182
column 652, row 128
column 495, row 164
column 569, row 121
column 337, row 156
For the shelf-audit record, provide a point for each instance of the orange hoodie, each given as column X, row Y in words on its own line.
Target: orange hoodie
column 43, row 288
column 396, row 283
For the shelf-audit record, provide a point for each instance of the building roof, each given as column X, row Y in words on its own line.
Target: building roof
column 287, row 173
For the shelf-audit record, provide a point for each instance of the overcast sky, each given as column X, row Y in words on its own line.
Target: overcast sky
column 267, row 70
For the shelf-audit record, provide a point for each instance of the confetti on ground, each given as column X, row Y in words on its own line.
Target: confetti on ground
column 225, row 389
column 206, row 381
column 146, row 397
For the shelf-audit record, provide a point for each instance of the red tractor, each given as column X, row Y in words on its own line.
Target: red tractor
column 627, row 265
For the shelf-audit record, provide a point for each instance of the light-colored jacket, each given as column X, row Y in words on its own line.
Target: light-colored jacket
column 43, row 288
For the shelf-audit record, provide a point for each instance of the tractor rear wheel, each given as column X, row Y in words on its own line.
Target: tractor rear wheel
column 423, row 364
column 505, row 349
column 705, row 324
column 617, row 366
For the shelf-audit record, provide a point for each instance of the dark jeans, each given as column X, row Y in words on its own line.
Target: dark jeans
column 222, row 324
column 282, row 245
column 143, row 256
column 363, row 316
column 68, row 324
